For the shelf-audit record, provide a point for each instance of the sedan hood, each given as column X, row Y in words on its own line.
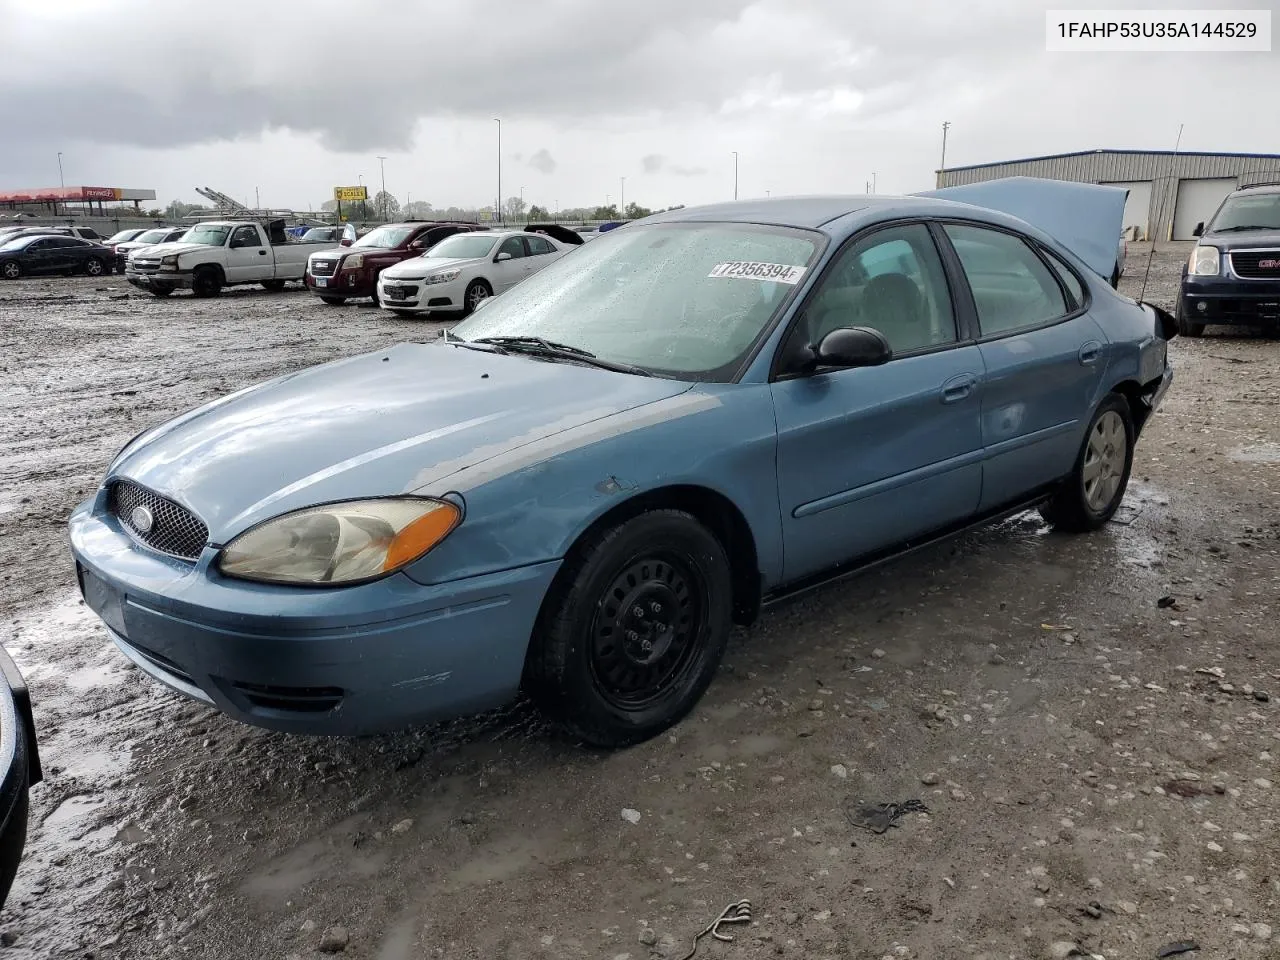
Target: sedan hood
column 335, row 253
column 1242, row 239
column 415, row 268
column 379, row 424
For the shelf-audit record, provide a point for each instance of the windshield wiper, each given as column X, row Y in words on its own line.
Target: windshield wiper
column 538, row 347
column 1244, row 226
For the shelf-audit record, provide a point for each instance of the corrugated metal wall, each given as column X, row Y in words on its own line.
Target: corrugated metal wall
column 1163, row 170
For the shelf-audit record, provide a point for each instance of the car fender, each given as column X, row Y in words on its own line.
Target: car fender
column 532, row 503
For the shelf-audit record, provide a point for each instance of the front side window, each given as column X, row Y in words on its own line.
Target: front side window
column 384, row 238
column 685, row 300
column 245, row 237
column 892, row 281
column 1012, row 288
column 512, row 246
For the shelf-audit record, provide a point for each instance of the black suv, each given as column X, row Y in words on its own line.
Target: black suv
column 1233, row 273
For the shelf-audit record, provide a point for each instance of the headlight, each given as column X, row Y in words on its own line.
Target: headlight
column 443, row 277
column 353, row 262
column 340, row 543
column 1204, row 262
column 171, row 261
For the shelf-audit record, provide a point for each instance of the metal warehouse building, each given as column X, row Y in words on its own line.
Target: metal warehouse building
column 1169, row 193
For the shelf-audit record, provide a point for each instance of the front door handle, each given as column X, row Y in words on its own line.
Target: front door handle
column 262, row 253
column 1089, row 352
column 957, row 388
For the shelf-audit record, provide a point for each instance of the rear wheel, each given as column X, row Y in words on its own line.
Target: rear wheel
column 273, row 286
column 94, row 267
column 206, row 282
column 11, row 270
column 631, row 634
column 1093, row 492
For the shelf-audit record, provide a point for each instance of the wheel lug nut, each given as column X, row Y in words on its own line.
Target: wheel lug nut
column 637, row 611
column 655, row 607
column 632, row 636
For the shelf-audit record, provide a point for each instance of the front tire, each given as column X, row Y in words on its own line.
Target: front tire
column 633, row 630
column 206, row 282
column 477, row 291
column 1096, row 487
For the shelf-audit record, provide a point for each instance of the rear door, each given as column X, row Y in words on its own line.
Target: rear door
column 248, row 257
column 1043, row 356
column 541, row 252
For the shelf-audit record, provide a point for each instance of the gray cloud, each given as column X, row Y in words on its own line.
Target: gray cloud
column 543, row 162
column 652, row 162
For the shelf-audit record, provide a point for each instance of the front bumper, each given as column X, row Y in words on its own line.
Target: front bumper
column 1230, row 300
column 361, row 282
column 149, row 280
column 418, row 296
column 371, row 658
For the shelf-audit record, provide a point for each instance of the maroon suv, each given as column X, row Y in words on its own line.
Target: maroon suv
column 337, row 275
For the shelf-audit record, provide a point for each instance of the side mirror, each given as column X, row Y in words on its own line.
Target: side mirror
column 852, row 347
column 418, row 245
column 502, row 256
column 345, row 242
column 1199, row 230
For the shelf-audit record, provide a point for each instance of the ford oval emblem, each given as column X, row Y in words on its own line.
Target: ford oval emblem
column 142, row 519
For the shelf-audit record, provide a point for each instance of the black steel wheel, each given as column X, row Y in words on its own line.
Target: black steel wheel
column 633, row 630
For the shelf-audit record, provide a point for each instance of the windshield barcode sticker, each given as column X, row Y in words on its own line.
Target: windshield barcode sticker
column 751, row 270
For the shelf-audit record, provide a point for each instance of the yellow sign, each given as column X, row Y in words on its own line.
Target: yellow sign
column 350, row 193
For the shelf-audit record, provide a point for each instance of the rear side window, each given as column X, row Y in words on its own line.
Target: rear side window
column 1012, row 288
column 538, row 246
column 1068, row 277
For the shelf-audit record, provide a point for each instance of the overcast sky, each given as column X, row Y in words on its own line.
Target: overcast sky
column 293, row 98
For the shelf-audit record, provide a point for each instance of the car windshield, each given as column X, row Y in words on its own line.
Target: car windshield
column 152, row 236
column 122, row 236
column 1261, row 212
column 316, row 234
column 385, row 238
column 462, row 246
column 685, row 300
column 215, row 235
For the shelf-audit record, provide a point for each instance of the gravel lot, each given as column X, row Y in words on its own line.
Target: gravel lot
column 1099, row 770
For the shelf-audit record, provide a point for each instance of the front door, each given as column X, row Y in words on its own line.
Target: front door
column 42, row 256
column 871, row 457
column 248, row 258
column 507, row 273
column 1044, row 357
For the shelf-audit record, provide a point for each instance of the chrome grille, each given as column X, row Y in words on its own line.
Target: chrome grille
column 174, row 529
column 1256, row 264
column 144, row 266
column 323, row 268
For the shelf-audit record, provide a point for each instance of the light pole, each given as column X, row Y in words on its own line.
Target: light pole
column 946, row 124
column 623, row 201
column 382, row 164
column 257, row 201
column 735, row 174
column 873, row 181
column 61, row 182
column 526, row 219
column 497, row 211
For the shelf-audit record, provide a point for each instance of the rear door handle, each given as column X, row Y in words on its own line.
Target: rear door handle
column 1089, row 352
column 957, row 388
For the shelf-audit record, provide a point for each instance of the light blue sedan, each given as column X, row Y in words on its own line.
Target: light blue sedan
column 580, row 489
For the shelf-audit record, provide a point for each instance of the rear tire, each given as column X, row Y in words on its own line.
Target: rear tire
column 206, row 282
column 1096, row 487
column 633, row 630
column 94, row 267
column 11, row 270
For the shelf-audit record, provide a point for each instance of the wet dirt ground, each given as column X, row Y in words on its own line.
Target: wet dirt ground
column 1099, row 770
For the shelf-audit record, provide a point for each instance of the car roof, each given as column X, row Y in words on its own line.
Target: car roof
column 1257, row 189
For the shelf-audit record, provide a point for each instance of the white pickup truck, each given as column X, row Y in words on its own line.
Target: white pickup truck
column 222, row 253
